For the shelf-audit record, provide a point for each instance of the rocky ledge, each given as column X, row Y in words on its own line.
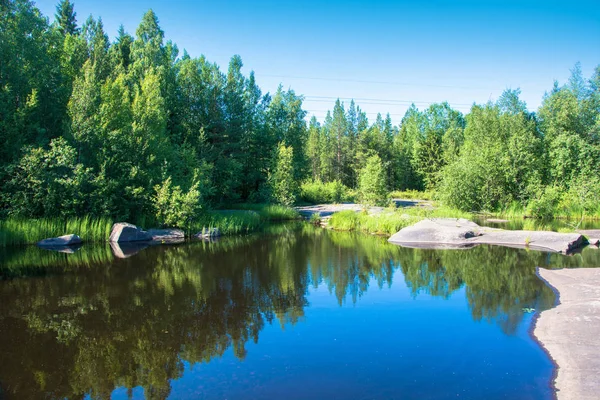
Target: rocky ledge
column 460, row 233
column 569, row 331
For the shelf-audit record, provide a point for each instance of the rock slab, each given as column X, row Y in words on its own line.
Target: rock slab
column 166, row 235
column 570, row 331
column 457, row 233
column 124, row 232
column 61, row 241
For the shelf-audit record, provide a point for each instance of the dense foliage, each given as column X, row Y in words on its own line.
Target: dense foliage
column 130, row 129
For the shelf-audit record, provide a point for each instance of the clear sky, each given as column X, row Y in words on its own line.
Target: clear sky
column 385, row 54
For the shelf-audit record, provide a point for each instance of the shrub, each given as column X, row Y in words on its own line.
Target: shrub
column 316, row 192
column 544, row 205
column 173, row 207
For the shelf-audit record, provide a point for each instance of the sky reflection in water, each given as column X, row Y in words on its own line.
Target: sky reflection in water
column 297, row 313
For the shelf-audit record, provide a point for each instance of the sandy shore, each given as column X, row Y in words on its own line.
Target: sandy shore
column 570, row 332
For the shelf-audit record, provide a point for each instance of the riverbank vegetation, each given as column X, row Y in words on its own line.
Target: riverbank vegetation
column 245, row 218
column 389, row 221
column 134, row 129
column 16, row 231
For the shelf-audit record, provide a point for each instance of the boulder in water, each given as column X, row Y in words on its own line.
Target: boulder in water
column 167, row 235
column 61, row 241
column 124, row 232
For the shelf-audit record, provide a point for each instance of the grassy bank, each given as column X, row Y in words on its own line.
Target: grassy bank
column 540, row 210
column 244, row 219
column 411, row 195
column 269, row 212
column 28, row 231
column 389, row 222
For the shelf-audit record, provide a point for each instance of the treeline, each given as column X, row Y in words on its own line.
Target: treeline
column 131, row 128
column 498, row 157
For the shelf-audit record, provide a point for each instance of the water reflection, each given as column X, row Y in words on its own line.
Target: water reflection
column 96, row 322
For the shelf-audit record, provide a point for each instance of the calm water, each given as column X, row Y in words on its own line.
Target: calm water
column 297, row 313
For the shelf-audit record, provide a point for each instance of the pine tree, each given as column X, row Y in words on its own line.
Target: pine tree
column 65, row 18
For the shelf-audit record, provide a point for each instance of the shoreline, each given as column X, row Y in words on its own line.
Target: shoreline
column 568, row 331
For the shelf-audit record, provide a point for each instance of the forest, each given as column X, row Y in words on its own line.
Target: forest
column 133, row 128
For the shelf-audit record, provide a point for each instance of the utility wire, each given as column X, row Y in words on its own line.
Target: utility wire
column 364, row 100
column 369, row 81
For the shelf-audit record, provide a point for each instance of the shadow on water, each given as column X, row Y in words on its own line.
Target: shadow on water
column 96, row 322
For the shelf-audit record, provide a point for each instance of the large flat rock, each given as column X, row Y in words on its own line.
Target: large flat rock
column 61, row 241
column 570, row 331
column 167, row 235
column 457, row 233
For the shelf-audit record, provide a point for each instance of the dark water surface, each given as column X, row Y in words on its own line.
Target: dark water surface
column 296, row 313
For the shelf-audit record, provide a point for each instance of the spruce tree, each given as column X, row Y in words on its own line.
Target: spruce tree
column 65, row 18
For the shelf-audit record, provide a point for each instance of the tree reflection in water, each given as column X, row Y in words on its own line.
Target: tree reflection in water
column 96, row 322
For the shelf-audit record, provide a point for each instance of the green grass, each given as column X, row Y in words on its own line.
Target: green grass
column 389, row 222
column 16, row 231
column 269, row 212
column 411, row 195
column 385, row 223
column 315, row 219
column 232, row 222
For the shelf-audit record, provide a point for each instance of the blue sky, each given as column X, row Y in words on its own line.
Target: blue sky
column 389, row 53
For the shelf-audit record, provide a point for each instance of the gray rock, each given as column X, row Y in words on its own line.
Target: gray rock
column 569, row 331
column 166, row 235
column 593, row 235
column 594, row 241
column 460, row 233
column 208, row 233
column 61, row 241
column 124, row 232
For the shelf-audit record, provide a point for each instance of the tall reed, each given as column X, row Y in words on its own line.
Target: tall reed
column 16, row 231
column 269, row 212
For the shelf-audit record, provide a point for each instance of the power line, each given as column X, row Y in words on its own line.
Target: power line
column 369, row 81
column 391, row 101
column 368, row 113
column 383, row 103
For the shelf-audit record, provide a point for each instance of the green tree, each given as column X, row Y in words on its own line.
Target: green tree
column 65, row 18
column 371, row 187
column 285, row 187
column 285, row 119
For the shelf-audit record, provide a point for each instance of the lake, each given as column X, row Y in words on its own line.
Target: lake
column 296, row 312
